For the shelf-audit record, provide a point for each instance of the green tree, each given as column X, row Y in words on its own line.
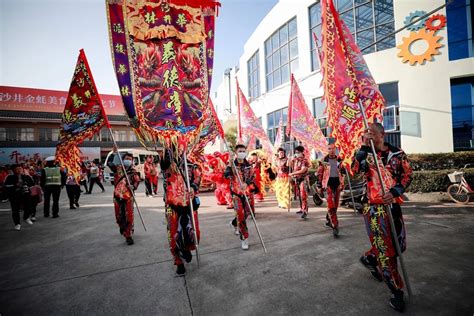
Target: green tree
column 231, row 137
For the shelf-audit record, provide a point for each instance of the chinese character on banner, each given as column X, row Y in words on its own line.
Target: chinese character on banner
column 347, row 83
column 166, row 45
column 83, row 117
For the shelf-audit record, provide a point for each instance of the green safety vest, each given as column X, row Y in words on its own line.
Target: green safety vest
column 53, row 176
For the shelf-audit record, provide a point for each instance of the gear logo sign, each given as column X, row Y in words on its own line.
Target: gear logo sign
column 424, row 30
column 429, row 37
column 415, row 15
column 439, row 18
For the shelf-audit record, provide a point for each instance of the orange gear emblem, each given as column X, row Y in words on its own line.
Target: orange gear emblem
column 429, row 37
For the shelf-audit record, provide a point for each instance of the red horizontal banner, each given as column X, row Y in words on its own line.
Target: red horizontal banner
column 53, row 101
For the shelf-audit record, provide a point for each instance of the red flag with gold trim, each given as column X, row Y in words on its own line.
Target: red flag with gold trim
column 347, row 83
column 301, row 123
column 82, row 118
column 249, row 125
column 211, row 130
column 163, row 55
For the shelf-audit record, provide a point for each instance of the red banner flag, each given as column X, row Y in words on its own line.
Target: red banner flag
column 211, row 130
column 347, row 84
column 301, row 123
column 163, row 55
column 83, row 116
column 249, row 125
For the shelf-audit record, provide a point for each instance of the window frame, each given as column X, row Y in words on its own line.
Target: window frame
column 274, row 76
column 355, row 31
column 253, row 76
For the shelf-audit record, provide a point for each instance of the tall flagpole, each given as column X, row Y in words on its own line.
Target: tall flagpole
column 290, row 161
column 350, row 188
column 387, row 207
column 104, row 115
column 234, row 167
column 126, row 176
column 239, row 128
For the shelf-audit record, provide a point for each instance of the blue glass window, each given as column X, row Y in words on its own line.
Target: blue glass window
column 460, row 41
column 462, row 103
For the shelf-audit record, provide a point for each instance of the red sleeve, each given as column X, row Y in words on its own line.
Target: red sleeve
column 320, row 174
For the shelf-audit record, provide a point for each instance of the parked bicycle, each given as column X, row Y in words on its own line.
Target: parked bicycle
column 459, row 191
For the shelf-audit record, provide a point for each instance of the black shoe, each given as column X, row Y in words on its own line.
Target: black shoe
column 328, row 224
column 103, row 191
column 187, row 256
column 87, row 193
column 299, row 212
column 180, row 271
column 121, row 231
column 335, row 232
column 396, row 301
column 372, row 266
column 304, row 215
column 46, row 215
column 77, row 204
column 56, row 216
column 130, row 241
column 72, row 207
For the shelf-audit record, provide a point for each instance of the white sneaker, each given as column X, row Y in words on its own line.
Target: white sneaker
column 33, row 219
column 28, row 221
column 245, row 244
column 236, row 229
column 17, row 227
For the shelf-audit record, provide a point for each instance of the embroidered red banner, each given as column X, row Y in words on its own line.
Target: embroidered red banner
column 347, row 82
column 83, row 116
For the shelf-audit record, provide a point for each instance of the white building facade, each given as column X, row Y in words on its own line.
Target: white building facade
column 429, row 105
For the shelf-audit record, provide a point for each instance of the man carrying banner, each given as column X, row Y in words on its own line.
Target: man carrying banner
column 282, row 184
column 381, row 259
column 239, row 193
column 178, row 208
column 331, row 179
column 123, row 195
column 300, row 166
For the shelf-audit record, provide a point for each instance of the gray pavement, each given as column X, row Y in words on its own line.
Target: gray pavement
column 79, row 264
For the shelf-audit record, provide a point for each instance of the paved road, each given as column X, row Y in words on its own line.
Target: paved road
column 79, row 264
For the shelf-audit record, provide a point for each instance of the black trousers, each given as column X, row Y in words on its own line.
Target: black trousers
column 73, row 193
column 95, row 180
column 55, row 191
column 84, row 183
column 16, row 203
column 147, row 187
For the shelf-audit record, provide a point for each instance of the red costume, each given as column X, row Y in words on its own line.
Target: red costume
column 300, row 182
column 123, row 199
column 247, row 176
column 397, row 176
column 178, row 211
column 331, row 179
column 151, row 177
column 257, row 169
column 217, row 162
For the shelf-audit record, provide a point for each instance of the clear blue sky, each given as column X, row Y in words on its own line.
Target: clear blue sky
column 40, row 40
